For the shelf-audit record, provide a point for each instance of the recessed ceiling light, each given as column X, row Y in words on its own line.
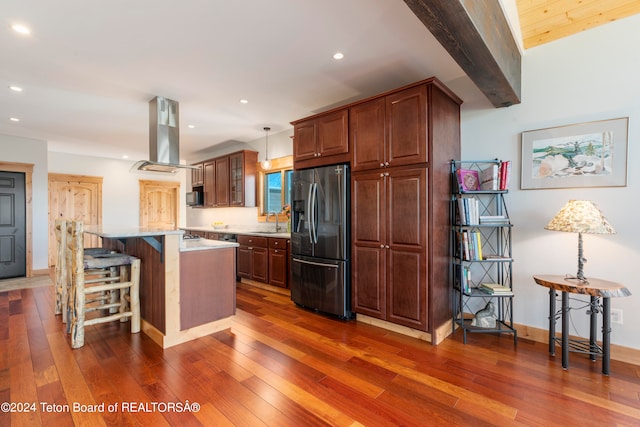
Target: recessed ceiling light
column 15, row 88
column 191, row 126
column 19, row 28
column 244, row 101
column 124, row 156
column 14, row 119
column 338, row 55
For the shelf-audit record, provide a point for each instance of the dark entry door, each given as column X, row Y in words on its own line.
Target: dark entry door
column 13, row 260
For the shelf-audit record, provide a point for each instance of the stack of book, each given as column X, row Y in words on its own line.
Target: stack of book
column 496, row 177
column 493, row 219
column 495, row 289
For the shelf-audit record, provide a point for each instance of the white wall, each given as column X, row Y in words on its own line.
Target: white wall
column 589, row 76
column 120, row 186
column 32, row 151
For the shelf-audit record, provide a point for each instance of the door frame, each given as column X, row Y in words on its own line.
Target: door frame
column 27, row 169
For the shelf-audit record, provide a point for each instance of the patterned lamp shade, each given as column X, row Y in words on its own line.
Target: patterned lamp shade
column 580, row 216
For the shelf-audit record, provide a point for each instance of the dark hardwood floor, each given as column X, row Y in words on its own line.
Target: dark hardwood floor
column 280, row 365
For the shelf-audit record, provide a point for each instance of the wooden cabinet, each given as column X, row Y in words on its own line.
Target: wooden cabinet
column 278, row 262
column 243, row 178
column 389, row 245
column 322, row 140
column 390, row 130
column 402, row 143
column 197, row 175
column 264, row 259
column 253, row 258
column 229, row 180
column 222, row 182
column 209, row 171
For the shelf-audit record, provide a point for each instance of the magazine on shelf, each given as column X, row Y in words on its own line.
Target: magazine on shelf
column 468, row 179
column 490, row 178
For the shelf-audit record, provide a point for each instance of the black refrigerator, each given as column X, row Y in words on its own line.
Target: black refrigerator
column 320, row 249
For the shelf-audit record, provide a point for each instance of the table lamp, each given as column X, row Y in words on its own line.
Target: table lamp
column 580, row 216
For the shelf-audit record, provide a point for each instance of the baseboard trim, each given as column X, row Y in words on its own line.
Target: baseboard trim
column 404, row 330
column 618, row 352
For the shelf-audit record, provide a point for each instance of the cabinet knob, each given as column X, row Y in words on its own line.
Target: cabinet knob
column 386, row 246
column 381, row 246
column 386, row 174
column 250, row 248
column 319, row 154
column 386, row 163
column 381, row 175
column 275, row 251
column 381, row 165
column 275, row 243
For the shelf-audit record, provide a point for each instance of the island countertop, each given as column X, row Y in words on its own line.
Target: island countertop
column 123, row 231
column 203, row 244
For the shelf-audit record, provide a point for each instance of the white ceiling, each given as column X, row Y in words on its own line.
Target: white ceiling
column 89, row 68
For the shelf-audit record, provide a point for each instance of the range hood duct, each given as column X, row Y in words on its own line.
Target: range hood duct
column 164, row 138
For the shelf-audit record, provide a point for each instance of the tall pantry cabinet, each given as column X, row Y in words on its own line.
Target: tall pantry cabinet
column 402, row 143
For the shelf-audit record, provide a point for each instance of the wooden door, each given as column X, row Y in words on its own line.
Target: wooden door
column 407, row 234
column 76, row 197
column 304, row 140
column 13, row 225
column 222, row 181
column 368, row 230
column 407, row 126
column 245, row 261
column 260, row 267
column 278, row 267
column 333, row 135
column 159, row 206
column 367, row 130
column 197, row 175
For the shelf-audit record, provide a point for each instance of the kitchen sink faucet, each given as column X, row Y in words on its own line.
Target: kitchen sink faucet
column 277, row 223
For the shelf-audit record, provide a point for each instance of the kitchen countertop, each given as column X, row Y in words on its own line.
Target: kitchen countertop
column 203, row 244
column 261, row 233
column 119, row 231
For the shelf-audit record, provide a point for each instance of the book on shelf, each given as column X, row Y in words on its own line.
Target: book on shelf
column 490, row 178
column 465, row 279
column 505, row 175
column 493, row 219
column 469, row 210
column 470, row 244
column 468, row 179
column 495, row 289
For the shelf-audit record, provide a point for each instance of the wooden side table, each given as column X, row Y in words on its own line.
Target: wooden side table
column 595, row 288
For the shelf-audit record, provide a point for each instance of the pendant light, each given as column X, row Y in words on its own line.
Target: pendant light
column 266, row 163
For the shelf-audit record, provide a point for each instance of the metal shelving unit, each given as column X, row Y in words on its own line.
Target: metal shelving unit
column 469, row 270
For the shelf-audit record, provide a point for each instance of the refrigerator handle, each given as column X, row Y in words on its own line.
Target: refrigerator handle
column 310, row 213
column 314, row 207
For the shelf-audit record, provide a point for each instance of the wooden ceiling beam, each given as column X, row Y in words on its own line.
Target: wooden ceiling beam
column 476, row 34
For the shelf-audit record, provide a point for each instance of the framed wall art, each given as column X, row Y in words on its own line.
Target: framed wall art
column 592, row 154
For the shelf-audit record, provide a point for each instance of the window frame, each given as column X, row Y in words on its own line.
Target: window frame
column 281, row 164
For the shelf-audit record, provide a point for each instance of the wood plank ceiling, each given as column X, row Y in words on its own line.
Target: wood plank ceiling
column 543, row 21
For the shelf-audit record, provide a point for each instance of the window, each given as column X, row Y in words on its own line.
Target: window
column 275, row 187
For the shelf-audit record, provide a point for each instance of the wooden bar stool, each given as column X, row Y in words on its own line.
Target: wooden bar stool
column 62, row 283
column 99, row 294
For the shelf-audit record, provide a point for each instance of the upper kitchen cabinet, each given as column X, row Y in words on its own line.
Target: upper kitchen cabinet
column 390, row 130
column 197, row 175
column 229, row 180
column 243, row 177
column 321, row 140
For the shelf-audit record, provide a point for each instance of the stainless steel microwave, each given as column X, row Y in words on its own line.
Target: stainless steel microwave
column 194, row 198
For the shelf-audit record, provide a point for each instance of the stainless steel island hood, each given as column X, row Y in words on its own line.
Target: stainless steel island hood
column 164, row 138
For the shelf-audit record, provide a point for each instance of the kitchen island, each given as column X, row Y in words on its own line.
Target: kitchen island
column 187, row 288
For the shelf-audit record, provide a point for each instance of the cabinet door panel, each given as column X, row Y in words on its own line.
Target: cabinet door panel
column 332, row 133
column 304, row 140
column 260, row 266
column 369, row 283
column 278, row 267
column 245, row 261
column 367, row 134
column 368, row 207
column 222, row 182
column 210, row 183
column 407, row 195
column 407, row 291
column 407, row 126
